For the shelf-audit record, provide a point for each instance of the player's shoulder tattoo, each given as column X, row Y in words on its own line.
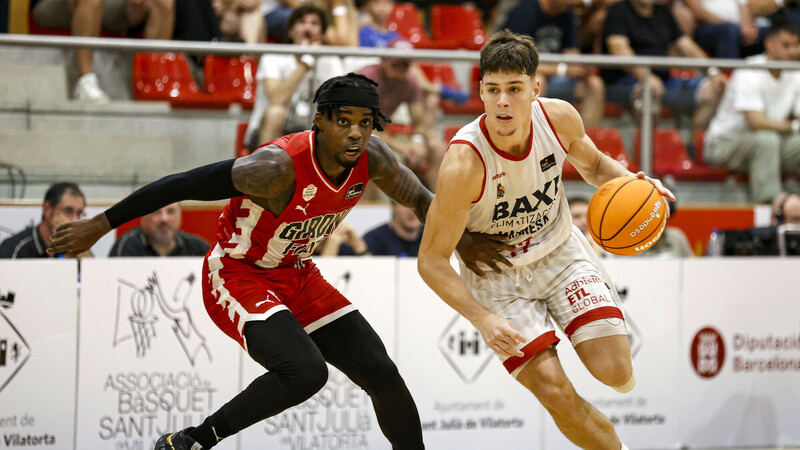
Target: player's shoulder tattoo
column 380, row 158
column 266, row 173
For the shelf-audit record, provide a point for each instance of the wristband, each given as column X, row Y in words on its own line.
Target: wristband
column 796, row 126
column 779, row 3
column 340, row 10
column 561, row 70
column 744, row 2
column 308, row 60
column 587, row 3
column 418, row 138
column 712, row 71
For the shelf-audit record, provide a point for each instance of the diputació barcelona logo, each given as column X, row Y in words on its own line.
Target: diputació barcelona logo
column 708, row 352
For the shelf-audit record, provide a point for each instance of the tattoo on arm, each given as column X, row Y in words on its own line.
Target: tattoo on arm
column 264, row 174
column 396, row 180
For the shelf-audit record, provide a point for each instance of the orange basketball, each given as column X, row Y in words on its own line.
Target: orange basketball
column 626, row 216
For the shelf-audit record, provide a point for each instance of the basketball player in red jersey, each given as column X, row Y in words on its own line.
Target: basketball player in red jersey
column 502, row 175
column 259, row 284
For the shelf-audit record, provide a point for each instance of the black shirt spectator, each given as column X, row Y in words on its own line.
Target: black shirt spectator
column 400, row 237
column 63, row 203
column 159, row 234
column 648, row 36
column 383, row 241
column 134, row 243
column 28, row 243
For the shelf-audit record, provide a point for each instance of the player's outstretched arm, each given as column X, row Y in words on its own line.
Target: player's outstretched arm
column 211, row 182
column 459, row 183
column 594, row 166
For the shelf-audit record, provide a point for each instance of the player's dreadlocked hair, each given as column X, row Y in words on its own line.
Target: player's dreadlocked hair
column 360, row 92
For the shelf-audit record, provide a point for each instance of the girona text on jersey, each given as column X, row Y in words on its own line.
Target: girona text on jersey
column 307, row 233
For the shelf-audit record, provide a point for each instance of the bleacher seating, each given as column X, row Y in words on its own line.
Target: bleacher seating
column 405, row 20
column 474, row 105
column 670, row 158
column 608, row 141
column 459, row 23
column 231, row 79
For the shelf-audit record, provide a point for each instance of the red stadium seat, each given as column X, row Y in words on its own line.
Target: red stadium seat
column 405, row 20
column 239, row 148
column 166, row 77
column 398, row 129
column 450, row 131
column 671, row 158
column 472, row 106
column 459, row 23
column 608, row 141
column 231, row 79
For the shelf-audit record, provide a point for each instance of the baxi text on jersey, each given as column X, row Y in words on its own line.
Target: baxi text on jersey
column 536, row 223
column 527, row 203
column 312, row 228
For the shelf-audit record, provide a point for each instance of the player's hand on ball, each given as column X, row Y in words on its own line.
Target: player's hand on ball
column 659, row 187
column 500, row 335
column 485, row 248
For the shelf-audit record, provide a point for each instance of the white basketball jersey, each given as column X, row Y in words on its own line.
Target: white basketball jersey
column 523, row 197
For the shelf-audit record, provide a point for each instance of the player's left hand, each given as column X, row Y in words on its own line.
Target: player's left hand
column 659, row 187
column 485, row 248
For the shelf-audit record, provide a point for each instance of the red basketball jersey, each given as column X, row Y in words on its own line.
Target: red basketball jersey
column 248, row 231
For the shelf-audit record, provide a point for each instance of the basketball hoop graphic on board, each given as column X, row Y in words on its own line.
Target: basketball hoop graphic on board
column 14, row 350
column 137, row 306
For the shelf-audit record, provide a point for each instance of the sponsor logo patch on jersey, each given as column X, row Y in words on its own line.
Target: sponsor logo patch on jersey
column 309, row 192
column 354, row 191
column 548, row 162
column 501, row 191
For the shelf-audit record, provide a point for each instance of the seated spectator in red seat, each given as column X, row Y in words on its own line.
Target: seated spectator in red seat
column 401, row 236
column 756, row 128
column 397, row 85
column 89, row 17
column 159, row 234
column 645, row 28
column 553, row 26
column 287, row 83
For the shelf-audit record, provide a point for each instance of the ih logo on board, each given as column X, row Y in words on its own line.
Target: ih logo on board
column 464, row 348
column 14, row 350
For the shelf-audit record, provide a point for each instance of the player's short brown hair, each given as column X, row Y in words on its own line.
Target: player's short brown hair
column 509, row 52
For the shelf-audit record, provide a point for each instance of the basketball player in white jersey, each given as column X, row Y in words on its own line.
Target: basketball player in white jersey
column 502, row 175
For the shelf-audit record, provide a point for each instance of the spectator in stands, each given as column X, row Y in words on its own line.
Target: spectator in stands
column 241, row 20
column 724, row 28
column 343, row 29
column 401, row 236
column 756, row 128
column 89, row 17
column 63, row 202
column 423, row 152
column 578, row 207
column 553, row 26
column 786, row 209
column 645, row 28
column 286, row 83
column 159, row 234
column 276, row 14
column 344, row 241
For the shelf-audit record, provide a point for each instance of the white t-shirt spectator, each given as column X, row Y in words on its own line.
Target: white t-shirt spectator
column 755, row 90
column 301, row 108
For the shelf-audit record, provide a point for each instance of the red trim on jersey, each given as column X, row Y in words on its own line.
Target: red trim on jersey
column 531, row 349
column 483, row 183
column 500, row 152
column 317, row 168
column 551, row 125
column 606, row 312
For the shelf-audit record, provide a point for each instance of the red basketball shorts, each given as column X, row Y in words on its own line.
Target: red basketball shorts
column 235, row 293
